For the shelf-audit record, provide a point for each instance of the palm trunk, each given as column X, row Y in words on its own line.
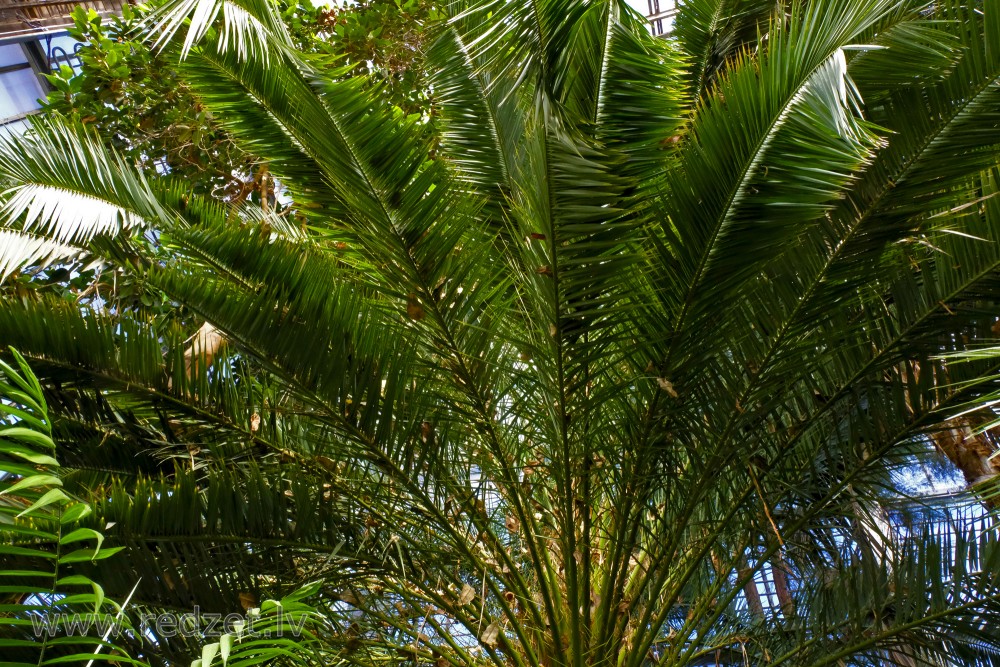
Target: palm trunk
column 752, row 595
column 967, row 450
column 970, row 452
column 779, row 569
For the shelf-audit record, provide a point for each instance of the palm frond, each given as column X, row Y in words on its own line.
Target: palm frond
column 776, row 115
column 251, row 27
column 63, row 188
column 570, row 386
column 712, row 32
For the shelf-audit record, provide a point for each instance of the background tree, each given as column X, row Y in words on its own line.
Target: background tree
column 132, row 95
column 383, row 40
column 638, row 334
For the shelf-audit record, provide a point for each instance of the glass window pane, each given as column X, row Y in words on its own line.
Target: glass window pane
column 19, row 92
column 62, row 51
column 12, row 54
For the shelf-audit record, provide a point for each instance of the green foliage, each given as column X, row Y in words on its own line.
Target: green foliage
column 43, row 543
column 383, row 40
column 53, row 612
column 131, row 94
column 654, row 320
column 282, row 631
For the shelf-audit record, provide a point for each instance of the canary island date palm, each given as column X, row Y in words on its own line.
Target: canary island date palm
column 652, row 320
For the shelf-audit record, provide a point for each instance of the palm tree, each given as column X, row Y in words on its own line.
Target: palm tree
column 653, row 321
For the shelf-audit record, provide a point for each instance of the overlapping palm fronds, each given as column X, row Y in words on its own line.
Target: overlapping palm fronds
column 654, row 320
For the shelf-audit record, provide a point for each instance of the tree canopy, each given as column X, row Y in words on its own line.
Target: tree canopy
column 648, row 322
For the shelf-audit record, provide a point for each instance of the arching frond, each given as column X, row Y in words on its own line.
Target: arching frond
column 63, row 188
column 250, row 27
column 655, row 326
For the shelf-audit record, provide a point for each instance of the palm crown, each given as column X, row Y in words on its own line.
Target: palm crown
column 652, row 319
